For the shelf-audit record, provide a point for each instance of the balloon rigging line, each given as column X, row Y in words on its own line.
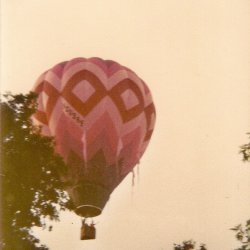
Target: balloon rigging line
column 138, row 172
column 85, row 148
column 133, row 178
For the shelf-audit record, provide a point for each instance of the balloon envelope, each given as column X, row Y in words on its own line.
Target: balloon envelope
column 101, row 115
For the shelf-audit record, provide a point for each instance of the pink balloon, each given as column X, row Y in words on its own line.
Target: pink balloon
column 102, row 116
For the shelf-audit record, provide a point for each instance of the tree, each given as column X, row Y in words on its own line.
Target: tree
column 31, row 189
column 242, row 233
column 188, row 245
column 245, row 150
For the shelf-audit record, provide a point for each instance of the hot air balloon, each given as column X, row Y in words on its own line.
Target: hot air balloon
column 102, row 116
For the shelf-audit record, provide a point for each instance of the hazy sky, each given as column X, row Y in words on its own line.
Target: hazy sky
column 194, row 55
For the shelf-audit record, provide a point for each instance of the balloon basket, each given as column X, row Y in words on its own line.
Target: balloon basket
column 88, row 232
column 89, row 199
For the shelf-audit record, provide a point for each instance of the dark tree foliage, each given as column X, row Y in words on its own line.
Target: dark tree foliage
column 245, row 150
column 31, row 189
column 188, row 245
column 242, row 234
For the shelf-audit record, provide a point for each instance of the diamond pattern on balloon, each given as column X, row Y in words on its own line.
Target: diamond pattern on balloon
column 92, row 100
column 83, row 90
column 129, row 98
column 122, row 104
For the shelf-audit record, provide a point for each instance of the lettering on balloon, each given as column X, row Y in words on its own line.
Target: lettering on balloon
column 73, row 115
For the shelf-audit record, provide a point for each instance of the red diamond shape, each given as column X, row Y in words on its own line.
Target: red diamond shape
column 116, row 95
column 83, row 107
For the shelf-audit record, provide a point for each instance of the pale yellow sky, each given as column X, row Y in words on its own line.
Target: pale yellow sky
column 194, row 55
